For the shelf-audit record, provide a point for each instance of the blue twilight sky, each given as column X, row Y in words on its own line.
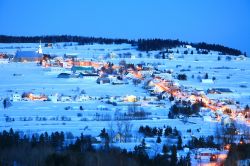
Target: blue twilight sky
column 224, row 22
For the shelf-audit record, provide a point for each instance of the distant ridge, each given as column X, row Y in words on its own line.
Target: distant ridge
column 142, row 44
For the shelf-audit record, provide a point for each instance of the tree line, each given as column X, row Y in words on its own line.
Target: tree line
column 61, row 38
column 142, row 44
column 51, row 150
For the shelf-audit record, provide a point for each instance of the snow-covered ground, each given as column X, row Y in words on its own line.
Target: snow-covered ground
column 40, row 116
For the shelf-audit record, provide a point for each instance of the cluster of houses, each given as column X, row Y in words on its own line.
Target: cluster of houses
column 16, row 97
column 159, row 83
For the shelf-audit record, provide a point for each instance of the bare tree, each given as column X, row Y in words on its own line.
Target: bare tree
column 119, row 125
column 218, row 134
column 156, row 148
column 127, row 130
column 111, row 131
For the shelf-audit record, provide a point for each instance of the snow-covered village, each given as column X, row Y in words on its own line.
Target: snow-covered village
column 72, row 100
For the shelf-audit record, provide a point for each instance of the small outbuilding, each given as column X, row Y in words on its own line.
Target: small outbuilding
column 64, row 75
column 103, row 80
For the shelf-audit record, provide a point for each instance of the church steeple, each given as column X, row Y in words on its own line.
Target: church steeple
column 40, row 51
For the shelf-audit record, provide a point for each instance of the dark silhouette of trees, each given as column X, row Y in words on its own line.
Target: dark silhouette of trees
column 217, row 47
column 43, row 150
column 182, row 77
column 62, row 38
column 237, row 152
column 157, row 44
column 202, row 142
column 6, row 103
column 142, row 44
column 151, row 132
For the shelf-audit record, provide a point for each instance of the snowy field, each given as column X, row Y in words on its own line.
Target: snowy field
column 40, row 116
column 34, row 79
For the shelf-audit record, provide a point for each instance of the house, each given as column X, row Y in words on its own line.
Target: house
column 117, row 80
column 240, row 58
column 119, row 137
column 226, row 120
column 204, row 154
column 4, row 56
column 219, row 90
column 130, row 76
column 48, row 45
column 31, row 96
column 102, row 108
column 57, row 70
column 70, row 56
column 83, row 69
column 103, row 80
column 207, row 81
column 88, row 75
column 131, row 98
column 16, row 97
column 64, row 75
column 53, row 98
column 207, row 118
column 82, row 98
column 65, row 99
column 188, row 46
column 133, row 56
column 112, row 55
column 170, row 56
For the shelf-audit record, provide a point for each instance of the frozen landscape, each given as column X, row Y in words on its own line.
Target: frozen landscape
column 39, row 101
column 124, row 83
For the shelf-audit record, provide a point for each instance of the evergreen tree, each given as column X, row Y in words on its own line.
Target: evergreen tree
column 175, row 132
column 247, row 108
column 163, row 56
column 33, row 140
column 165, row 149
column 188, row 159
column 179, row 143
column 218, row 58
column 41, row 139
column 171, row 98
column 206, row 76
column 158, row 140
column 173, row 155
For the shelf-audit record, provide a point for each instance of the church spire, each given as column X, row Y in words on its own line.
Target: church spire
column 40, row 51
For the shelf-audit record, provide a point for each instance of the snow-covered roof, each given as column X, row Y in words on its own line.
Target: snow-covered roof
column 27, row 54
column 207, row 81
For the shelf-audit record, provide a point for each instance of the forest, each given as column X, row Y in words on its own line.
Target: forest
column 142, row 44
column 52, row 150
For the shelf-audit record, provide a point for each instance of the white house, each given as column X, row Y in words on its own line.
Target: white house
column 207, row 81
column 102, row 108
column 82, row 98
column 53, row 98
column 66, row 99
column 189, row 46
column 207, row 118
column 170, row 56
column 16, row 97
column 205, row 154
column 133, row 56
